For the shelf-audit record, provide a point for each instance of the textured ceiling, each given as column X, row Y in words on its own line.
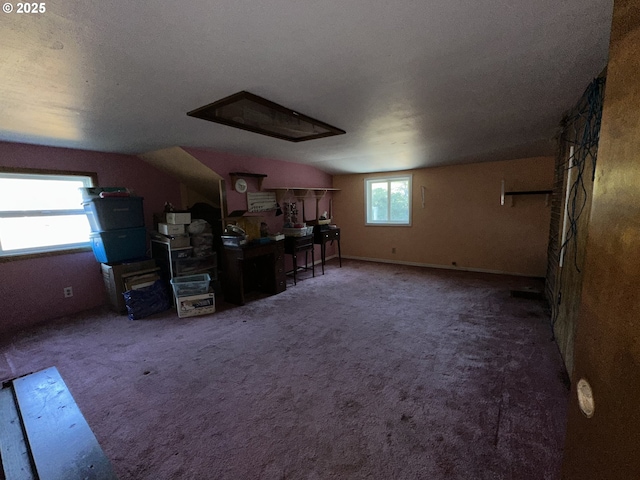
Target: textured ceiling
column 414, row 83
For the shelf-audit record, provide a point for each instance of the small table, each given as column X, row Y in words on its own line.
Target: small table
column 293, row 245
column 323, row 234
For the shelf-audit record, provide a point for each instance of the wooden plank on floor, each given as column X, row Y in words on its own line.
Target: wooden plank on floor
column 14, row 452
column 62, row 444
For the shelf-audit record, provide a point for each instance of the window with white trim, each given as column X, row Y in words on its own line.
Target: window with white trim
column 42, row 212
column 388, row 200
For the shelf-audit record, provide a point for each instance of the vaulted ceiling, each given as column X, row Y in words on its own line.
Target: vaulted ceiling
column 414, row 83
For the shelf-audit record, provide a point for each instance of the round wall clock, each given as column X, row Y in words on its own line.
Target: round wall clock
column 241, row 185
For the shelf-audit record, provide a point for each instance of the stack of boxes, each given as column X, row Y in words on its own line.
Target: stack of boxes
column 189, row 261
column 119, row 241
column 175, row 226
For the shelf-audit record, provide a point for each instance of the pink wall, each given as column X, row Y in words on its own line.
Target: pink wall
column 279, row 174
column 31, row 289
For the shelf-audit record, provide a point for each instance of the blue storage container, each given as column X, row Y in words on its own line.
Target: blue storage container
column 119, row 245
column 114, row 213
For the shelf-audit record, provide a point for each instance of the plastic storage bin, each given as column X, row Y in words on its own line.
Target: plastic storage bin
column 114, row 213
column 119, row 245
column 191, row 285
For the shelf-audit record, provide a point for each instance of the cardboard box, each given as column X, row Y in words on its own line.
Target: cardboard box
column 115, row 275
column 195, row 305
column 178, row 218
column 170, row 229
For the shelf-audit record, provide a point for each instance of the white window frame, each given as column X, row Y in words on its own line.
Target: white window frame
column 89, row 179
column 368, row 211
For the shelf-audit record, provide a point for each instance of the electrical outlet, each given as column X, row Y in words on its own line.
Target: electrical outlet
column 68, row 292
column 455, row 264
column 393, row 250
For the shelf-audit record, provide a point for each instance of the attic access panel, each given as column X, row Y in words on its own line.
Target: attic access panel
column 256, row 114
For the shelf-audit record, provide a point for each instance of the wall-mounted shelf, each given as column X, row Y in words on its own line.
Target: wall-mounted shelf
column 511, row 193
column 300, row 193
column 235, row 175
column 530, row 192
column 303, row 192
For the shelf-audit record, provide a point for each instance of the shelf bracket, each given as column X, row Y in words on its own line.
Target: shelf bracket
column 503, row 194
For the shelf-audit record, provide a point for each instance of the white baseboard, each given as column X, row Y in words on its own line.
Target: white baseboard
column 442, row 267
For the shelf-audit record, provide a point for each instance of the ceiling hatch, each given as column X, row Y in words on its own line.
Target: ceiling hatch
column 250, row 112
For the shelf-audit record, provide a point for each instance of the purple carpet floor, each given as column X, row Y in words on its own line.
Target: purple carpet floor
column 371, row 371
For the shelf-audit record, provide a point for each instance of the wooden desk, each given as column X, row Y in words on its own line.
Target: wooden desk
column 293, row 245
column 253, row 267
column 323, row 235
